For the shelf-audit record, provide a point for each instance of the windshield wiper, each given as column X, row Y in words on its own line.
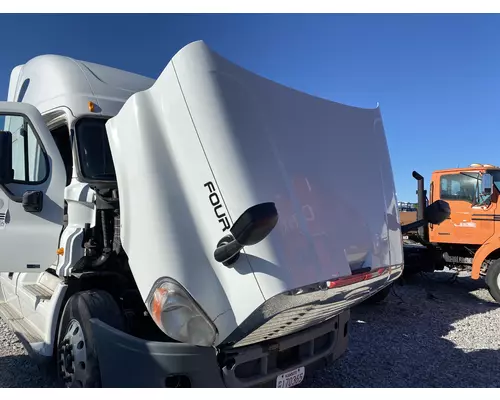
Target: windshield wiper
column 471, row 176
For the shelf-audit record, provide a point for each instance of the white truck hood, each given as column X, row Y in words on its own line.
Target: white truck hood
column 209, row 140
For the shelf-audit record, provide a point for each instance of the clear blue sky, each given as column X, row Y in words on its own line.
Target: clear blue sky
column 436, row 77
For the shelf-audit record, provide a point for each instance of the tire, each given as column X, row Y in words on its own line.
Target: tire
column 379, row 297
column 77, row 360
column 493, row 280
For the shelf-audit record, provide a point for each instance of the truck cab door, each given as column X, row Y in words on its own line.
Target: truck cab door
column 32, row 181
column 469, row 222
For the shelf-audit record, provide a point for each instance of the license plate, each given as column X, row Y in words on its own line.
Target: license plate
column 290, row 379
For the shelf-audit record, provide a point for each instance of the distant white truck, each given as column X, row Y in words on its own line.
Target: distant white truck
column 208, row 228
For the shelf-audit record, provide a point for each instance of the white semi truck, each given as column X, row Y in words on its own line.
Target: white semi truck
column 208, row 228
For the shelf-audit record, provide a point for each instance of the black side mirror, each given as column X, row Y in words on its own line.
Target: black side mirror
column 6, row 171
column 434, row 213
column 486, row 184
column 253, row 226
column 437, row 212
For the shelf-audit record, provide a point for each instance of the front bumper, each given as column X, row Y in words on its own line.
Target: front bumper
column 127, row 361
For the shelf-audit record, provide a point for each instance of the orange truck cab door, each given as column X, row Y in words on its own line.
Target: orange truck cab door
column 473, row 216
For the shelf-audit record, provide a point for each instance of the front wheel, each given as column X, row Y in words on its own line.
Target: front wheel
column 493, row 280
column 77, row 361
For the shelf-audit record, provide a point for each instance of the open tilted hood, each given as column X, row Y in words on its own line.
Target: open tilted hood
column 209, row 140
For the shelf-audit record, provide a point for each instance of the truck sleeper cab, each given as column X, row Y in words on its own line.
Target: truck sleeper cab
column 187, row 231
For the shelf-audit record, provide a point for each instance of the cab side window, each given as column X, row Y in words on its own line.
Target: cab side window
column 29, row 161
column 462, row 187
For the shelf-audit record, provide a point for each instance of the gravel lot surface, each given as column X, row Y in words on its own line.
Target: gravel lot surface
column 17, row 370
column 434, row 333
column 428, row 333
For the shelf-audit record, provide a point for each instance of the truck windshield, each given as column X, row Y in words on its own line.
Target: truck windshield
column 94, row 153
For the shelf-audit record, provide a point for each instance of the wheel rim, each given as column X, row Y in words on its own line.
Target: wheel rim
column 73, row 356
column 498, row 281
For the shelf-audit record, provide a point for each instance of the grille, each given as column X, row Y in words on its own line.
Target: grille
column 291, row 321
column 288, row 313
column 296, row 319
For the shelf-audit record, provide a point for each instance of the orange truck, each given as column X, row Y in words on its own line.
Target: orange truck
column 469, row 239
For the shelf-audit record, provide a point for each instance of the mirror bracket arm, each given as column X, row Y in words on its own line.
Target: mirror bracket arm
column 226, row 241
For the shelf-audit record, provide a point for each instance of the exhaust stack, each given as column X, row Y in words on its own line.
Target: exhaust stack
column 421, row 201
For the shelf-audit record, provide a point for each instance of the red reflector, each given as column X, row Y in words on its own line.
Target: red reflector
column 350, row 280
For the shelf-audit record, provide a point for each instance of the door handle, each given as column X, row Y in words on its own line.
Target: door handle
column 33, row 201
